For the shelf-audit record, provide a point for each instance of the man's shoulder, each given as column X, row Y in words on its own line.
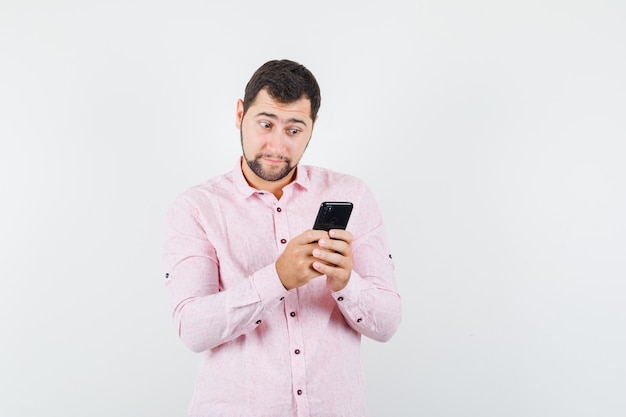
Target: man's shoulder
column 326, row 177
column 218, row 185
column 317, row 173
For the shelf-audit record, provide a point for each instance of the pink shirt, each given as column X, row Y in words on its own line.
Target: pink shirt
column 266, row 351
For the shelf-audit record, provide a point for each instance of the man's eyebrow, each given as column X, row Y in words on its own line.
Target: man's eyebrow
column 274, row 117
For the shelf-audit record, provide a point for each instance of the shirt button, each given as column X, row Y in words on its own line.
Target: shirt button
column 278, row 209
column 359, row 320
column 292, row 314
column 167, row 275
column 340, row 299
column 299, row 392
column 282, row 298
column 258, row 322
column 297, row 351
column 283, row 241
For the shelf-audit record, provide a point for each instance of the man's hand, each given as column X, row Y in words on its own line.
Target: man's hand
column 334, row 258
column 314, row 253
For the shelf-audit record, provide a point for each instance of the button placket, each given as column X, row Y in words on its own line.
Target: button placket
column 294, row 328
column 282, row 228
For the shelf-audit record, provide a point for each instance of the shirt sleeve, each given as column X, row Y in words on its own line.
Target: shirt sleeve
column 204, row 315
column 370, row 302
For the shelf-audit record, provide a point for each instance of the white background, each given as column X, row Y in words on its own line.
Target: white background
column 491, row 132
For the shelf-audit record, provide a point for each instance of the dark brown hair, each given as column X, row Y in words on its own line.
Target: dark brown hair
column 285, row 81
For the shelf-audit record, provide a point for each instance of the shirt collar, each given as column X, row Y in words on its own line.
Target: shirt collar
column 302, row 179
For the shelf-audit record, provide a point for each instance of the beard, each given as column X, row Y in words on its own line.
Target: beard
column 269, row 175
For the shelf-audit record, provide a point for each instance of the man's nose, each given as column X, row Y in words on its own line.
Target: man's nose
column 276, row 140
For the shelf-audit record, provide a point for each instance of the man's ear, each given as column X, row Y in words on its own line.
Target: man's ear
column 239, row 114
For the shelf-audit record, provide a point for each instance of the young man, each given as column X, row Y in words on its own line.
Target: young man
column 275, row 309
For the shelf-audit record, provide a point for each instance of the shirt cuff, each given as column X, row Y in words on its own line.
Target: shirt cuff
column 268, row 285
column 352, row 290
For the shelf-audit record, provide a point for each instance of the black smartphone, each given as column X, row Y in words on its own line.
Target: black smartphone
column 333, row 215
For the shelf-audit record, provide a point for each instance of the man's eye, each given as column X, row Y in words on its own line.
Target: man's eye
column 294, row 131
column 265, row 125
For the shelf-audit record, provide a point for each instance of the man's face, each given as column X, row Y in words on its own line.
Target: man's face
column 274, row 136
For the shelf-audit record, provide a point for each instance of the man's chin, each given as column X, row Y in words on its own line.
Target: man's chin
column 275, row 173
